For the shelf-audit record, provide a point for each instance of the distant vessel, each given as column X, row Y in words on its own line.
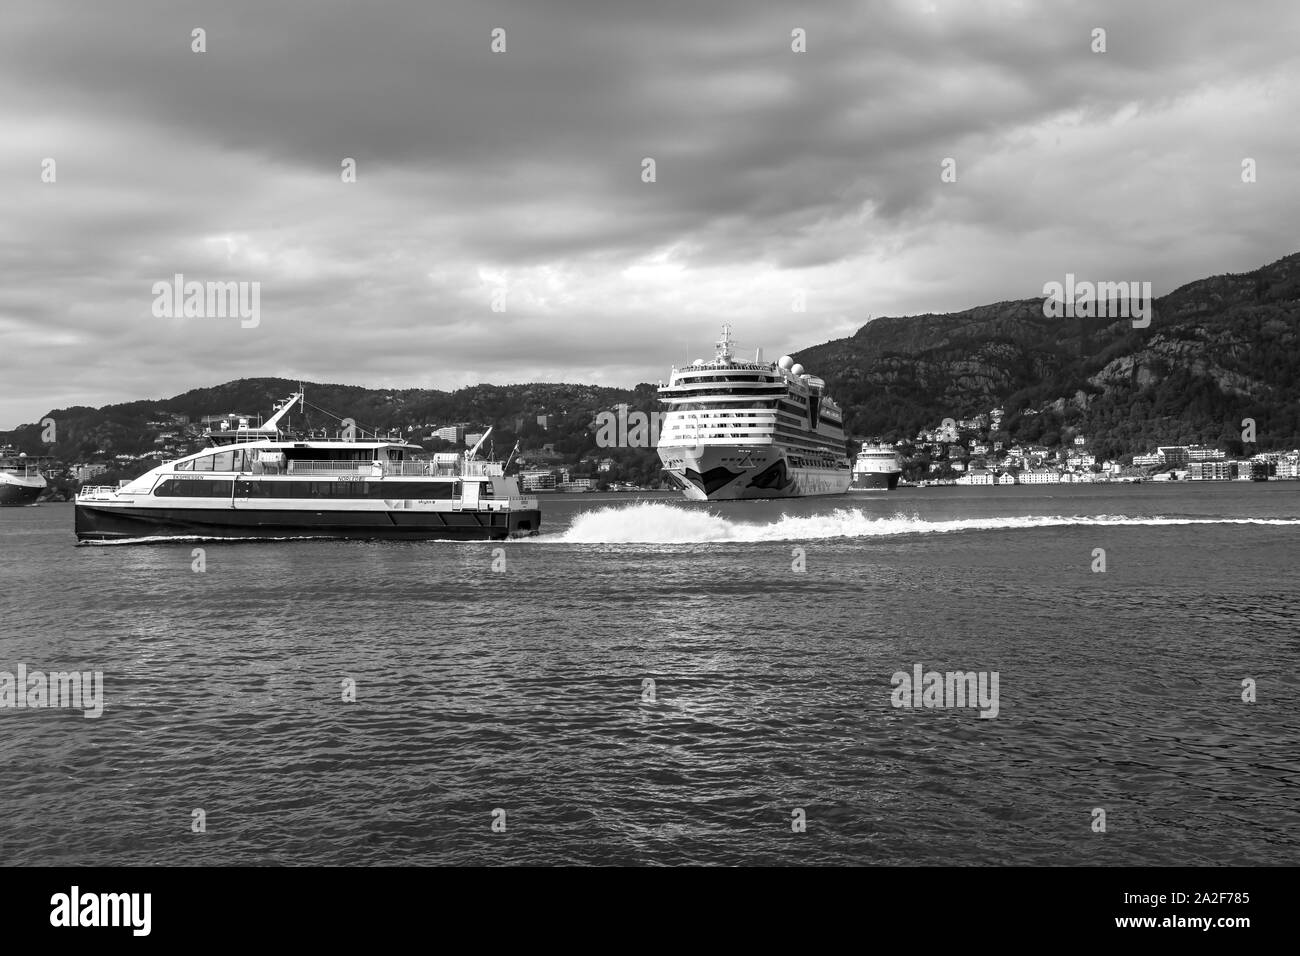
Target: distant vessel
column 876, row 468
column 21, row 481
column 734, row 429
column 265, row 484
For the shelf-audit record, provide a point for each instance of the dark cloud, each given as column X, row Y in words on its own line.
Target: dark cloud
column 777, row 173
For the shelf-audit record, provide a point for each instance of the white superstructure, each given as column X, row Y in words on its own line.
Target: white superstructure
column 733, row 429
column 877, row 467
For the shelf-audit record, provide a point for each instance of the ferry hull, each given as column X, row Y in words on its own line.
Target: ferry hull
column 109, row 523
column 875, row 481
column 729, row 473
column 15, row 494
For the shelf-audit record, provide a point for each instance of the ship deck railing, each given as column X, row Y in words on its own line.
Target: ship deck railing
column 97, row 491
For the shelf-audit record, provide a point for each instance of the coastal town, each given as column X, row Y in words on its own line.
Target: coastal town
column 960, row 452
column 967, row 452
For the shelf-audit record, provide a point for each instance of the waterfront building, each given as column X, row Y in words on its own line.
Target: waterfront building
column 1039, row 476
column 537, row 480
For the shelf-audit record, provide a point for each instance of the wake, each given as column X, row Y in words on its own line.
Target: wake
column 656, row 523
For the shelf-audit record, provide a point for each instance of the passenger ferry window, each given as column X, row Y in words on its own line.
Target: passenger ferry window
column 240, row 463
column 223, row 461
column 185, row 466
column 204, row 463
column 192, row 488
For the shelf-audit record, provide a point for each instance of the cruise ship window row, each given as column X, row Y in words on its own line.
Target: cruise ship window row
column 681, row 390
column 685, row 406
column 802, row 444
column 754, row 379
column 727, row 412
column 804, row 437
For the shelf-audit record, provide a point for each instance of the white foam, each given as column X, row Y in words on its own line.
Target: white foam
column 658, row 523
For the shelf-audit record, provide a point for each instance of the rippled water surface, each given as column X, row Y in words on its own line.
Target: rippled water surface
column 524, row 689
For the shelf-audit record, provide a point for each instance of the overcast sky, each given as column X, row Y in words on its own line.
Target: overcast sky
column 776, row 172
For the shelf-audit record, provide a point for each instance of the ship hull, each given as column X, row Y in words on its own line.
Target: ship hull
column 875, row 481
column 731, row 473
column 17, row 492
column 116, row 522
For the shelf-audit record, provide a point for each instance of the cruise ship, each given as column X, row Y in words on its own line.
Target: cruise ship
column 21, row 481
column 260, row 482
column 733, row 429
column 877, row 467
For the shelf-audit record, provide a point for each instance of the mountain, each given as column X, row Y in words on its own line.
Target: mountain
column 1216, row 351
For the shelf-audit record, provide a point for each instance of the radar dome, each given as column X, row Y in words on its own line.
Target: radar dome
column 797, row 370
column 785, row 362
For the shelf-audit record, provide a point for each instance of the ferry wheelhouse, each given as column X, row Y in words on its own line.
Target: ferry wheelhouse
column 258, row 483
column 733, row 429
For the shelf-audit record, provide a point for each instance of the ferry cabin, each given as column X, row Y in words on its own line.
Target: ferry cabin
column 310, row 471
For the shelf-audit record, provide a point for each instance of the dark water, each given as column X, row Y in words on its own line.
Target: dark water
column 522, row 689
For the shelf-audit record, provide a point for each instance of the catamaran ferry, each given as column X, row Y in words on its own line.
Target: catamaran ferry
column 259, row 483
column 734, row 429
